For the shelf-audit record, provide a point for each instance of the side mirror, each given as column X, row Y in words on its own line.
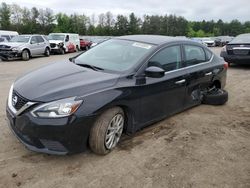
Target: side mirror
column 154, row 72
column 32, row 42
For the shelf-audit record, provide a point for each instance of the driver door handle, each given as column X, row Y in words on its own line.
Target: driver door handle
column 180, row 81
column 208, row 73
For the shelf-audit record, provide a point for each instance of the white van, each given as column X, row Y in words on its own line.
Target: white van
column 8, row 34
column 64, row 42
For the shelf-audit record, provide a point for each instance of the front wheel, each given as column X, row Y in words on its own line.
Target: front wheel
column 107, row 130
column 25, row 55
column 47, row 52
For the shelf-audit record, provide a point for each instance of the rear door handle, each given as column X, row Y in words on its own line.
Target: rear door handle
column 208, row 73
column 180, row 81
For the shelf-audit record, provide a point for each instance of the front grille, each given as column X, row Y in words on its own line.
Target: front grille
column 241, row 52
column 4, row 47
column 52, row 45
column 19, row 101
column 53, row 145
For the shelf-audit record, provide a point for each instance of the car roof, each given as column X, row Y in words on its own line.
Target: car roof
column 152, row 39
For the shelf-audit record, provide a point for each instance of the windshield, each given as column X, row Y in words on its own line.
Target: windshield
column 206, row 39
column 56, row 37
column 245, row 38
column 115, row 55
column 20, row 38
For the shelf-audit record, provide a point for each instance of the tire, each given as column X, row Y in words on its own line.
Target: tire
column 25, row 55
column 216, row 97
column 104, row 134
column 47, row 52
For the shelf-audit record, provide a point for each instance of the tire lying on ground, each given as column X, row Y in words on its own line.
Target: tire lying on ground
column 215, row 97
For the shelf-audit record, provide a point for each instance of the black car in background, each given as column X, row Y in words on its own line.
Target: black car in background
column 120, row 86
column 222, row 40
column 238, row 50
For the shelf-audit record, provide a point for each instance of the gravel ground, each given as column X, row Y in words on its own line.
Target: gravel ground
column 206, row 146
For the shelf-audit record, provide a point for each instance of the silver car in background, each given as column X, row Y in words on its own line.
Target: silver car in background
column 25, row 47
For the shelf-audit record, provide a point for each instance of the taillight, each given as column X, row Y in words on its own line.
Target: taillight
column 225, row 65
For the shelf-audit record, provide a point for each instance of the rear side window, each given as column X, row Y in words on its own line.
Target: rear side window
column 167, row 59
column 208, row 54
column 39, row 39
column 194, row 55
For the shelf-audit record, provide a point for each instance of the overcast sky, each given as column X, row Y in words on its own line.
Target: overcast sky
column 226, row 10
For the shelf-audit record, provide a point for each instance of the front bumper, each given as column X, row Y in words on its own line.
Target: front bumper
column 237, row 59
column 9, row 54
column 53, row 136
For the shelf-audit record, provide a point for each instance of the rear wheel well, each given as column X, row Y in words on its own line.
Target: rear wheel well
column 128, row 119
column 27, row 50
column 217, row 84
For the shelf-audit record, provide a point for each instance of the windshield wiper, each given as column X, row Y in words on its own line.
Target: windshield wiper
column 90, row 66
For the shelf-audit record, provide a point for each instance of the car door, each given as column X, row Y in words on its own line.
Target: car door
column 161, row 97
column 41, row 44
column 34, row 46
column 200, row 72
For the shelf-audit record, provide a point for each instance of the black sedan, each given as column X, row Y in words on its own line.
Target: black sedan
column 238, row 50
column 120, row 86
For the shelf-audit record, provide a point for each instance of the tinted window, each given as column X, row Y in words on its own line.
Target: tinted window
column 39, row 39
column 2, row 39
column 168, row 58
column 194, row 55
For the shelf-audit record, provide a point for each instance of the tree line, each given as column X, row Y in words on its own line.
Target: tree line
column 45, row 21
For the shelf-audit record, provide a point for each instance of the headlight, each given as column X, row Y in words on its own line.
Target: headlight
column 15, row 49
column 60, row 44
column 56, row 109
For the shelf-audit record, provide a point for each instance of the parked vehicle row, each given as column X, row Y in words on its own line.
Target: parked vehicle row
column 14, row 46
column 25, row 46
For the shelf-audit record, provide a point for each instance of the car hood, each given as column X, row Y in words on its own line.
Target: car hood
column 55, row 41
column 13, row 44
column 62, row 80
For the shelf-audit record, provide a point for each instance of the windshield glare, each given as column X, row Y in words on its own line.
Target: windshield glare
column 23, row 39
column 241, row 39
column 115, row 55
column 56, row 37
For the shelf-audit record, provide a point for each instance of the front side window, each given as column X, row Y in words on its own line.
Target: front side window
column 194, row 55
column 168, row 59
column 39, row 39
column 33, row 40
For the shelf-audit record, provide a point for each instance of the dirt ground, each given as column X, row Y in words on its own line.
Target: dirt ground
column 206, row 146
